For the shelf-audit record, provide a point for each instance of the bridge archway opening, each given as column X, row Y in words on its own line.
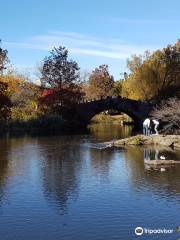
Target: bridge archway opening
column 113, row 116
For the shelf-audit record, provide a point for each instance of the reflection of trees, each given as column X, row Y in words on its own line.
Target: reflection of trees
column 108, row 131
column 101, row 160
column 12, row 161
column 167, row 183
column 5, row 147
column 59, row 169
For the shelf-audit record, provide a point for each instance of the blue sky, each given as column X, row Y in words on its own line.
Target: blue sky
column 95, row 32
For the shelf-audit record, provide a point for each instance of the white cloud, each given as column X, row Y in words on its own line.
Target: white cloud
column 80, row 44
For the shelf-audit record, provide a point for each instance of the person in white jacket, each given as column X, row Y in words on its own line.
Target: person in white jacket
column 146, row 127
column 156, row 124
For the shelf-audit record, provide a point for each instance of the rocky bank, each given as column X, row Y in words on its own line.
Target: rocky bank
column 163, row 140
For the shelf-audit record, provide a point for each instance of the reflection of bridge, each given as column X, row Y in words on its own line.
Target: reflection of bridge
column 137, row 110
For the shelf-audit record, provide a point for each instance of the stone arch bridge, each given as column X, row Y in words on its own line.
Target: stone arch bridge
column 137, row 110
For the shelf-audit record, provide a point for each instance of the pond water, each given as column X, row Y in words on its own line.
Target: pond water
column 70, row 188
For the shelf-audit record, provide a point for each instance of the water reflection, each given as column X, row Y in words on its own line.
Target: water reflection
column 101, row 160
column 63, row 159
column 109, row 131
column 151, row 154
column 166, row 184
column 5, row 146
column 65, row 189
column 156, row 152
column 61, row 163
column 12, row 163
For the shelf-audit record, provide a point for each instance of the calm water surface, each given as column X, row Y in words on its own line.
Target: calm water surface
column 68, row 188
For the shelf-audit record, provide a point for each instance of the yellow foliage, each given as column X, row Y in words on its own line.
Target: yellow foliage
column 14, row 83
column 156, row 75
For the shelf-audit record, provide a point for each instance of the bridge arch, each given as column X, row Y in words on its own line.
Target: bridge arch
column 137, row 110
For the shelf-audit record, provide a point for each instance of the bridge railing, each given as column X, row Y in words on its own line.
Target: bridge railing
column 86, row 100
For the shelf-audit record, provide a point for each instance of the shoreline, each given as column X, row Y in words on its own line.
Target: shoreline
column 172, row 141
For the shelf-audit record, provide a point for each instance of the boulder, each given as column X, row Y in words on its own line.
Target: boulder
column 163, row 140
column 161, row 162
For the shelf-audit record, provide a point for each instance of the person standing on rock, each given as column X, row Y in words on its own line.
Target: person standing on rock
column 156, row 124
column 146, row 127
column 151, row 126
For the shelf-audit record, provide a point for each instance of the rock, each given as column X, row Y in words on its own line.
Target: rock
column 166, row 140
column 135, row 140
column 177, row 144
column 163, row 140
column 161, row 162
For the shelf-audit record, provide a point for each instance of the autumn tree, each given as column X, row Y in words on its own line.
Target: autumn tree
column 23, row 95
column 101, row 83
column 60, row 79
column 154, row 76
column 136, row 61
column 25, row 101
column 5, row 102
column 3, row 59
column 119, row 84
